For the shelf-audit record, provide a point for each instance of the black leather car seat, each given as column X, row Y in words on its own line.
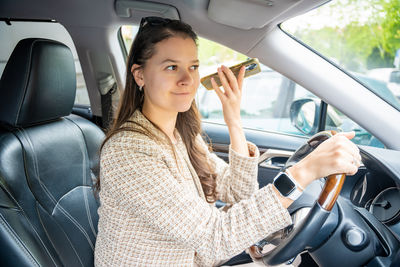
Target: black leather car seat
column 48, row 158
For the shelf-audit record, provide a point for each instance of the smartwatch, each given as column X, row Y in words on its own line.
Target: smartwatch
column 287, row 186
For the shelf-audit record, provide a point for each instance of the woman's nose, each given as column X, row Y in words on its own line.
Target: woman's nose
column 186, row 78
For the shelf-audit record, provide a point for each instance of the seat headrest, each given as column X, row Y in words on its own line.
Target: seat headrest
column 38, row 83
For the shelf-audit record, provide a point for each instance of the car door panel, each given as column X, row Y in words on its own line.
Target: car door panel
column 278, row 146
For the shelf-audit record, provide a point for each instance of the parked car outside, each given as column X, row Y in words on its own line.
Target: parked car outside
column 391, row 76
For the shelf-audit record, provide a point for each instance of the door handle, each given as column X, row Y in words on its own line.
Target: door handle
column 274, row 158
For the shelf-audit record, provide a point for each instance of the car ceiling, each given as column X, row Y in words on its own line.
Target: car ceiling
column 208, row 18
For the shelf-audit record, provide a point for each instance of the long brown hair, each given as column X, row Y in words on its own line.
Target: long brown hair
column 188, row 123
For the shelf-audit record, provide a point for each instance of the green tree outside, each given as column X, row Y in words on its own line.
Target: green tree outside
column 211, row 53
column 366, row 39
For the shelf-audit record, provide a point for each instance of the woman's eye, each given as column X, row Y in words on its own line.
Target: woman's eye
column 172, row 67
column 195, row 67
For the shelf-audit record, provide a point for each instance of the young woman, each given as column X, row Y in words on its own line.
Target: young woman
column 158, row 179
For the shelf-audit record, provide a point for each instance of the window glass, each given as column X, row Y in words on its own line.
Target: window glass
column 267, row 96
column 363, row 38
column 270, row 101
column 360, row 36
column 336, row 120
column 128, row 33
column 18, row 30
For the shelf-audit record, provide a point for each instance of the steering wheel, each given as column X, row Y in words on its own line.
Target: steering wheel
column 295, row 242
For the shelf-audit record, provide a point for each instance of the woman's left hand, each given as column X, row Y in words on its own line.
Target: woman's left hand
column 232, row 94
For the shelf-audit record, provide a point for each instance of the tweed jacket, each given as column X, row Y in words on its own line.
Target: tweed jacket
column 153, row 211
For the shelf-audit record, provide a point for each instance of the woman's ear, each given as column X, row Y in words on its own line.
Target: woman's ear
column 137, row 72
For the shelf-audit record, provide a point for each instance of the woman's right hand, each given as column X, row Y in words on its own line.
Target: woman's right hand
column 334, row 156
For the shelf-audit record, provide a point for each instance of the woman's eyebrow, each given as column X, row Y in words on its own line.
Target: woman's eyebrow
column 177, row 61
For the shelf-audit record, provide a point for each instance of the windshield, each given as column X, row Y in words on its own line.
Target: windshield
column 360, row 36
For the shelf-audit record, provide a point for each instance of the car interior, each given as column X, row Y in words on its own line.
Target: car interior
column 49, row 140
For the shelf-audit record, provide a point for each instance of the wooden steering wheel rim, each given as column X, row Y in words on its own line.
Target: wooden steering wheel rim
column 331, row 191
column 333, row 186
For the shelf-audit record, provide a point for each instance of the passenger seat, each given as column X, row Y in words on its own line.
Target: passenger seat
column 48, row 158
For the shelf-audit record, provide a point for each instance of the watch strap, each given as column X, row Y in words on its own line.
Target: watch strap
column 288, row 173
column 296, row 192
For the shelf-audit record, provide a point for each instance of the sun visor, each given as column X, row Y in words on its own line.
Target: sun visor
column 129, row 8
column 249, row 14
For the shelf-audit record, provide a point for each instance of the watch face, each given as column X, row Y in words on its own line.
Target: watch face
column 284, row 184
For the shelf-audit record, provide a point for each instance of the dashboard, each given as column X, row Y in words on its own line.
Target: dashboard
column 376, row 187
column 369, row 212
column 364, row 226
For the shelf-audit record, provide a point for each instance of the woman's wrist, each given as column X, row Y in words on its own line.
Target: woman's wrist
column 238, row 139
column 286, row 202
column 297, row 173
column 234, row 125
column 301, row 174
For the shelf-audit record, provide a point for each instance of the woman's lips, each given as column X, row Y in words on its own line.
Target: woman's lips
column 182, row 94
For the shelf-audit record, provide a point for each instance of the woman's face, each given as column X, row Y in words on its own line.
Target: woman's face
column 171, row 76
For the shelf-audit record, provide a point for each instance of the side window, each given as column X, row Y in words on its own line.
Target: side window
column 267, row 96
column 267, row 99
column 270, row 101
column 336, row 120
column 128, row 33
column 82, row 97
column 364, row 42
column 18, row 30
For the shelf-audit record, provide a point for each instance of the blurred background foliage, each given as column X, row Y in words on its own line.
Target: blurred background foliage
column 368, row 38
column 211, row 54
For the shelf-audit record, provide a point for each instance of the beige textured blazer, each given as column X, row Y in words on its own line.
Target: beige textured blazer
column 153, row 211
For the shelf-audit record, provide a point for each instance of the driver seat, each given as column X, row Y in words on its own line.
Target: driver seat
column 48, row 158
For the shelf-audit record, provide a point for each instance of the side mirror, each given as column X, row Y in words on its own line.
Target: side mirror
column 304, row 115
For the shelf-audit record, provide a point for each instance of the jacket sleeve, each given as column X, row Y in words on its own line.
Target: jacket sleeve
column 144, row 186
column 238, row 179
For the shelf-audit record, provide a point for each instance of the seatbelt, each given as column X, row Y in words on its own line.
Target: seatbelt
column 107, row 87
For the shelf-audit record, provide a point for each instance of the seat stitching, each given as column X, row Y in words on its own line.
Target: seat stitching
column 72, row 218
column 82, row 146
column 85, row 156
column 84, row 186
column 77, row 224
column 36, row 167
column 73, row 248
column 18, row 241
column 33, row 228
column 26, row 81
column 66, row 213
